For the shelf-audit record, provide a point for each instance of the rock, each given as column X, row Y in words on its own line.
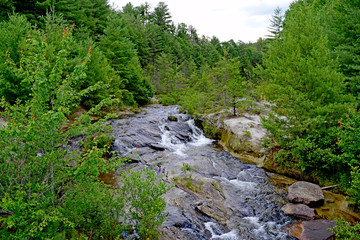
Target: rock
column 157, row 147
column 172, row 118
column 249, row 132
column 182, row 131
column 241, row 134
column 2, row 123
column 306, row 193
column 311, row 230
column 299, row 210
column 212, row 211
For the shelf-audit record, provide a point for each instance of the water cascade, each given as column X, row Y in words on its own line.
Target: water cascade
column 220, row 198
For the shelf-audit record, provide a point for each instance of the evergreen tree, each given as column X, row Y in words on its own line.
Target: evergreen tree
column 12, row 33
column 344, row 27
column 303, row 81
column 6, row 8
column 88, row 14
column 161, row 16
column 276, row 23
column 122, row 56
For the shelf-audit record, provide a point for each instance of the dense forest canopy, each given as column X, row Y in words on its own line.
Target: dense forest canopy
column 57, row 55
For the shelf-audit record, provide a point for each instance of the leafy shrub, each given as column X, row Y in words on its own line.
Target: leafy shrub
column 48, row 191
column 141, row 193
column 343, row 230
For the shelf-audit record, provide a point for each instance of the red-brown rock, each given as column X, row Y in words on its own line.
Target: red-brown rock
column 311, row 230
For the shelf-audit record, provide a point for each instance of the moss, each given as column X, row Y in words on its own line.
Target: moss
column 210, row 130
column 217, row 187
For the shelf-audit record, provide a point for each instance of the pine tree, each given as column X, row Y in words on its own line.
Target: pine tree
column 276, row 23
column 161, row 16
column 304, row 82
column 122, row 56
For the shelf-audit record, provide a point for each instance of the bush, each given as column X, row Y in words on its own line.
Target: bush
column 141, row 193
column 48, row 191
column 343, row 230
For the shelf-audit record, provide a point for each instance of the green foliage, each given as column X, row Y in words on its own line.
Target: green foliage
column 169, row 99
column 307, row 75
column 186, row 168
column 49, row 191
column 41, row 180
column 343, row 230
column 89, row 15
column 100, row 140
column 12, row 34
column 6, row 7
column 122, row 56
column 141, row 194
column 341, row 21
column 348, row 133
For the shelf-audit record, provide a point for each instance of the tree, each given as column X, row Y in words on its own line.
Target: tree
column 91, row 15
column 161, row 16
column 303, row 81
column 343, row 25
column 6, row 8
column 236, row 83
column 50, row 192
column 122, row 56
column 12, row 34
column 276, row 23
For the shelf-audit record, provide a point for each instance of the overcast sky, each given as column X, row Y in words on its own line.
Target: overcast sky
column 244, row 20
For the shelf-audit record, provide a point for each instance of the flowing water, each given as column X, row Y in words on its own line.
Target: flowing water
column 220, row 197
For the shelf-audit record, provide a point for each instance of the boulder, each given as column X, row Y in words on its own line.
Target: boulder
column 242, row 135
column 211, row 210
column 182, row 131
column 311, row 230
column 306, row 193
column 2, row 122
column 172, row 118
column 157, row 147
column 299, row 210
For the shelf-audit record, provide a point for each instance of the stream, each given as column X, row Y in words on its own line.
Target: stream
column 219, row 197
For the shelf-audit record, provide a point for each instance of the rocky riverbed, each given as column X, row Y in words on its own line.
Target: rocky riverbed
column 215, row 196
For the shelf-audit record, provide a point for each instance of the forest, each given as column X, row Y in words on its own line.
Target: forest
column 57, row 55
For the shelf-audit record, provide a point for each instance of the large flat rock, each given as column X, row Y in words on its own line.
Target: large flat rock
column 311, row 230
column 299, row 210
column 239, row 134
column 306, row 193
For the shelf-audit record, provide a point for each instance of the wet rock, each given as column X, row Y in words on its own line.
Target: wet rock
column 157, row 147
column 172, row 118
column 176, row 218
column 228, row 194
column 306, row 193
column 337, row 206
column 311, row 230
column 299, row 210
column 135, row 137
column 211, row 210
column 181, row 131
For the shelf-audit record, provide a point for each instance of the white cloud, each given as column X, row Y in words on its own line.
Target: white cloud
column 244, row 20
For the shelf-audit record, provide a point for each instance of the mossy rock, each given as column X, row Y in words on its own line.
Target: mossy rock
column 172, row 118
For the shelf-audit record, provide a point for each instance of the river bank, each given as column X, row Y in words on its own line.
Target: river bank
column 243, row 136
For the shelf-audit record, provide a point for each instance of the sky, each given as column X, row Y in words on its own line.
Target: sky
column 244, row 20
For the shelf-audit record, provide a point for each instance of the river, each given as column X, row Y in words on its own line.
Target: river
column 219, row 197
